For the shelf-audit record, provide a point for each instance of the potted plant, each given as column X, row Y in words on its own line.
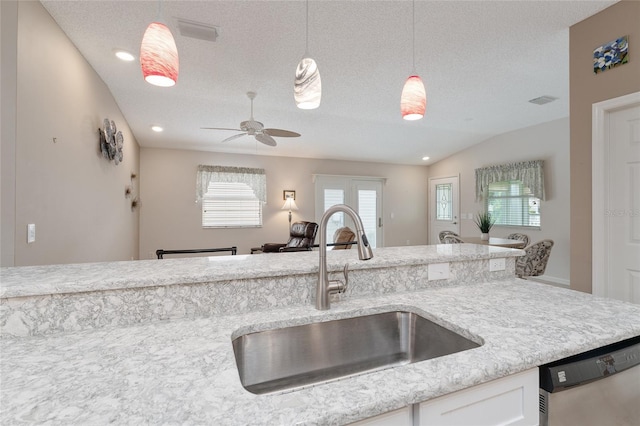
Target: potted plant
column 484, row 222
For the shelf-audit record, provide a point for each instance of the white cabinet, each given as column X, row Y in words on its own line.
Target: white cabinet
column 512, row 400
column 401, row 417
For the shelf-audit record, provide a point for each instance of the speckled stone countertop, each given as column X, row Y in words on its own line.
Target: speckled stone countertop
column 82, row 277
column 183, row 371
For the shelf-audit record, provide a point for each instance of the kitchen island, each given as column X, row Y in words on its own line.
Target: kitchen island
column 181, row 370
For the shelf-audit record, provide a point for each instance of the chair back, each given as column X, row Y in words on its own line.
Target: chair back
column 452, row 239
column 302, row 235
column 443, row 233
column 534, row 262
column 521, row 237
column 343, row 235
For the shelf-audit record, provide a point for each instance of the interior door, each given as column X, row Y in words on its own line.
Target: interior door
column 444, row 206
column 623, row 209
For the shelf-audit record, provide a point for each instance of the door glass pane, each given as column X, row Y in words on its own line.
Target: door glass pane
column 444, row 201
column 367, row 202
column 331, row 198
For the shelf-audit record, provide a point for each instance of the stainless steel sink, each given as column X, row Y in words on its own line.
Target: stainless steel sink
column 291, row 357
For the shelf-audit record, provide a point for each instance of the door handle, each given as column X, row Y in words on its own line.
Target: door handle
column 454, row 223
column 379, row 222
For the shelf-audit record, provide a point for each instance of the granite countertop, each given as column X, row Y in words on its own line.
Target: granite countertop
column 183, row 371
column 82, row 277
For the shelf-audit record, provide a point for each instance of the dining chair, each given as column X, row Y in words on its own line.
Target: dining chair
column 452, row 239
column 442, row 234
column 534, row 262
column 521, row 237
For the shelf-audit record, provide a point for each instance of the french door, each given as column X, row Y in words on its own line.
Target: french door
column 364, row 195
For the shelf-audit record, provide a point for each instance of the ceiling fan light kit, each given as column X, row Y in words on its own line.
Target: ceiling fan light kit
column 413, row 101
column 159, row 56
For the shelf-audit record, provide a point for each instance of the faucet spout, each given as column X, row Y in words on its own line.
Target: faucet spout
column 323, row 288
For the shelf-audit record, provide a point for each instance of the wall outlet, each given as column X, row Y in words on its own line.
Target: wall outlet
column 31, row 233
column 497, row 264
column 438, row 271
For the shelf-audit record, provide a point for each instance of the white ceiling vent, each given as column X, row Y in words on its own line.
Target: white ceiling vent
column 197, row 30
column 542, row 100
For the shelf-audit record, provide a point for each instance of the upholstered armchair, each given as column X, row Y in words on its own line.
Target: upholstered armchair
column 534, row 262
column 521, row 237
column 341, row 236
column 301, row 238
column 451, row 239
column 442, row 234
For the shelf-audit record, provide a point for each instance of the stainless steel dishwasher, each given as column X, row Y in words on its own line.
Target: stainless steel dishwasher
column 598, row 387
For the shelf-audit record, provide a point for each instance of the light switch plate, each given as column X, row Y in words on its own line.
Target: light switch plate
column 31, row 233
column 438, row 271
column 497, row 264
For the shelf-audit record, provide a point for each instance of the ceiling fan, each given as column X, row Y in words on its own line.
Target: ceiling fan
column 255, row 128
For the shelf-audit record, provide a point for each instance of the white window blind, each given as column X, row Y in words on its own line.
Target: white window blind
column 331, row 198
column 230, row 205
column 367, row 203
column 510, row 203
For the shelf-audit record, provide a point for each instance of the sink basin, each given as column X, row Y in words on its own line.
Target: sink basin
column 292, row 357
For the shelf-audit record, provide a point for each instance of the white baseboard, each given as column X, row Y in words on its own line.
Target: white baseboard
column 546, row 279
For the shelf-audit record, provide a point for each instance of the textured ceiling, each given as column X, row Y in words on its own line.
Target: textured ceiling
column 481, row 62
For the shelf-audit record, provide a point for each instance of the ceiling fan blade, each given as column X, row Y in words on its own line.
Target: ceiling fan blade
column 281, row 133
column 220, row 128
column 230, row 138
column 266, row 139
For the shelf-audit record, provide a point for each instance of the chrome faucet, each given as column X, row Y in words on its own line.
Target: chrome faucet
column 325, row 287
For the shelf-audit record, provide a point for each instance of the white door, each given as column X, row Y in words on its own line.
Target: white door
column 623, row 210
column 444, row 207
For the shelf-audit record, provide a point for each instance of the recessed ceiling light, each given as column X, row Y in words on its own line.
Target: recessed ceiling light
column 157, row 129
column 425, row 158
column 123, row 55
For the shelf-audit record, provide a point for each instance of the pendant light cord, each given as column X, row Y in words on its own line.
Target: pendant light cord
column 306, row 45
column 413, row 41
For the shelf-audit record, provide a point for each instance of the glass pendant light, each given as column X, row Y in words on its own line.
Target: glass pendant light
column 307, row 87
column 413, row 102
column 159, row 55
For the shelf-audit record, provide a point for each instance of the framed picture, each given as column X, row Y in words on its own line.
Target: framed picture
column 288, row 194
column 611, row 54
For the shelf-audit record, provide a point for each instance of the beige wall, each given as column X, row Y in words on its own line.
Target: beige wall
column 170, row 218
column 8, row 78
column 587, row 88
column 73, row 195
column 548, row 142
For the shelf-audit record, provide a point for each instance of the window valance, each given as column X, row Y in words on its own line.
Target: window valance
column 530, row 173
column 256, row 179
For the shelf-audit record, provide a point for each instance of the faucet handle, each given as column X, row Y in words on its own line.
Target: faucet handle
column 345, row 271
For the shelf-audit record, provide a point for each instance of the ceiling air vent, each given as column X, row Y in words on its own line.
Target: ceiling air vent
column 197, row 30
column 542, row 100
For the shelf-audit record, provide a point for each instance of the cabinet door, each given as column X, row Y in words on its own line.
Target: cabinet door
column 512, row 400
column 401, row 417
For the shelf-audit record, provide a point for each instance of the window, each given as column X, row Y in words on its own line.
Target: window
column 231, row 197
column 230, row 204
column 510, row 203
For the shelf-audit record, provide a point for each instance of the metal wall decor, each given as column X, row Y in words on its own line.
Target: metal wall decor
column 111, row 142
